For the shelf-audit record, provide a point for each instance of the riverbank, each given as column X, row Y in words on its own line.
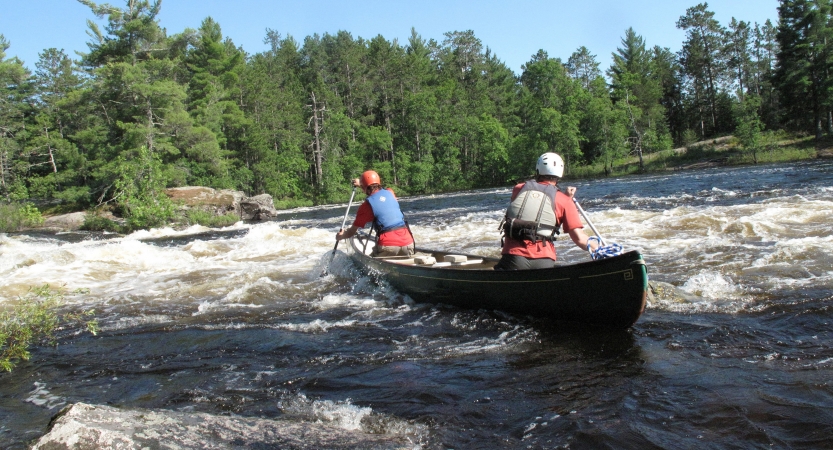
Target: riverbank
column 212, row 208
column 722, row 151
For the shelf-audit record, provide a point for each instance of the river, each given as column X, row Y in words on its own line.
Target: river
column 238, row 321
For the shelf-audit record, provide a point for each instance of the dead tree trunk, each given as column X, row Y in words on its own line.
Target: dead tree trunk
column 317, row 120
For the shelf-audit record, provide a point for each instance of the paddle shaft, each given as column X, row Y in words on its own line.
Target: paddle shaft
column 343, row 222
column 587, row 219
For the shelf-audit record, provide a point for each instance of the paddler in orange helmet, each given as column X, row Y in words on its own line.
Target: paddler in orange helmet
column 394, row 238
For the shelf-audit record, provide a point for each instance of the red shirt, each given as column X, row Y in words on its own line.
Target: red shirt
column 567, row 215
column 393, row 238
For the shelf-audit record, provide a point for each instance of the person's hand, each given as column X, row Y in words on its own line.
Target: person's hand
column 593, row 245
column 356, row 182
column 571, row 191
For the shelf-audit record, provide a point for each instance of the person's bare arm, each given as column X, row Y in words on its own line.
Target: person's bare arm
column 580, row 238
column 348, row 233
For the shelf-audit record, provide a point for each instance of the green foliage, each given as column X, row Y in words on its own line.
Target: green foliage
column 199, row 217
column 15, row 217
column 139, row 191
column 750, row 127
column 95, row 222
column 34, row 320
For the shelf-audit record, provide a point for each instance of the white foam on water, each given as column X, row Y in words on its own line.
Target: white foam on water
column 126, row 323
column 332, row 301
column 419, row 345
column 345, row 415
column 317, row 326
column 713, row 285
column 239, row 271
column 342, row 413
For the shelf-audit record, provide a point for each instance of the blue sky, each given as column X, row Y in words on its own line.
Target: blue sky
column 513, row 30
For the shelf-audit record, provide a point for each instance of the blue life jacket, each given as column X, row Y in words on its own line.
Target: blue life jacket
column 386, row 212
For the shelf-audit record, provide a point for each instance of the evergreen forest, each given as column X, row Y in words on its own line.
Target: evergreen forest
column 142, row 110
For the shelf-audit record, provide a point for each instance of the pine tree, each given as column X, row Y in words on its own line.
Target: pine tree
column 56, row 168
column 219, row 124
column 703, row 64
column 803, row 69
column 583, row 66
column 143, row 104
column 12, row 94
column 637, row 89
column 739, row 55
column 764, row 50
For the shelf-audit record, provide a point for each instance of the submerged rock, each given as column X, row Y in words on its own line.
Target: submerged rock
column 659, row 291
column 82, row 426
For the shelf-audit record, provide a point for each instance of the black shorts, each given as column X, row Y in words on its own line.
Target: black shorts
column 514, row 262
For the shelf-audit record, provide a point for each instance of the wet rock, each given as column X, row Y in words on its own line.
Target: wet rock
column 659, row 291
column 224, row 201
column 259, row 207
column 82, row 426
column 219, row 202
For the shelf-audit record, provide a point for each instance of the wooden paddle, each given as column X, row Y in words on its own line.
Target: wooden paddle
column 343, row 222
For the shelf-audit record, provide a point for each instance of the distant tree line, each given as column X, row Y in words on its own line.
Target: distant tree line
column 141, row 110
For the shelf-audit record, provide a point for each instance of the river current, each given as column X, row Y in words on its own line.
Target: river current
column 735, row 350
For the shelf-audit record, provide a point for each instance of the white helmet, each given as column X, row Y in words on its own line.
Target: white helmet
column 550, row 164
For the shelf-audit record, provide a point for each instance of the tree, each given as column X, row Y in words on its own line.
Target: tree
column 56, row 167
column 739, row 54
column 550, row 110
column 802, row 74
column 274, row 99
column 667, row 71
column 703, row 63
column 214, row 67
column 636, row 83
column 12, row 77
column 583, row 66
column 749, row 125
column 604, row 127
column 141, row 98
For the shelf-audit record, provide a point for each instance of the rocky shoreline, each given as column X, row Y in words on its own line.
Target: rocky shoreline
column 218, row 202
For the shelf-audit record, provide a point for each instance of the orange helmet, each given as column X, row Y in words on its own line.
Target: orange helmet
column 369, row 178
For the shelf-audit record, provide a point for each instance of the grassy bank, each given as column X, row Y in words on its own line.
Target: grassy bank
column 725, row 151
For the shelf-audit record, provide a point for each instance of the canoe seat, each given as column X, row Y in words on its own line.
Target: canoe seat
column 455, row 258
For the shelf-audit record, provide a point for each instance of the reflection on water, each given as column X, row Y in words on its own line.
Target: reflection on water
column 733, row 351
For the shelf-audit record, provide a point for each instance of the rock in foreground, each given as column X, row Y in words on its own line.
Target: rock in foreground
column 83, row 426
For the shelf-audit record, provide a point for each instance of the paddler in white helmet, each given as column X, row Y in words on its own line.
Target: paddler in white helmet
column 536, row 212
